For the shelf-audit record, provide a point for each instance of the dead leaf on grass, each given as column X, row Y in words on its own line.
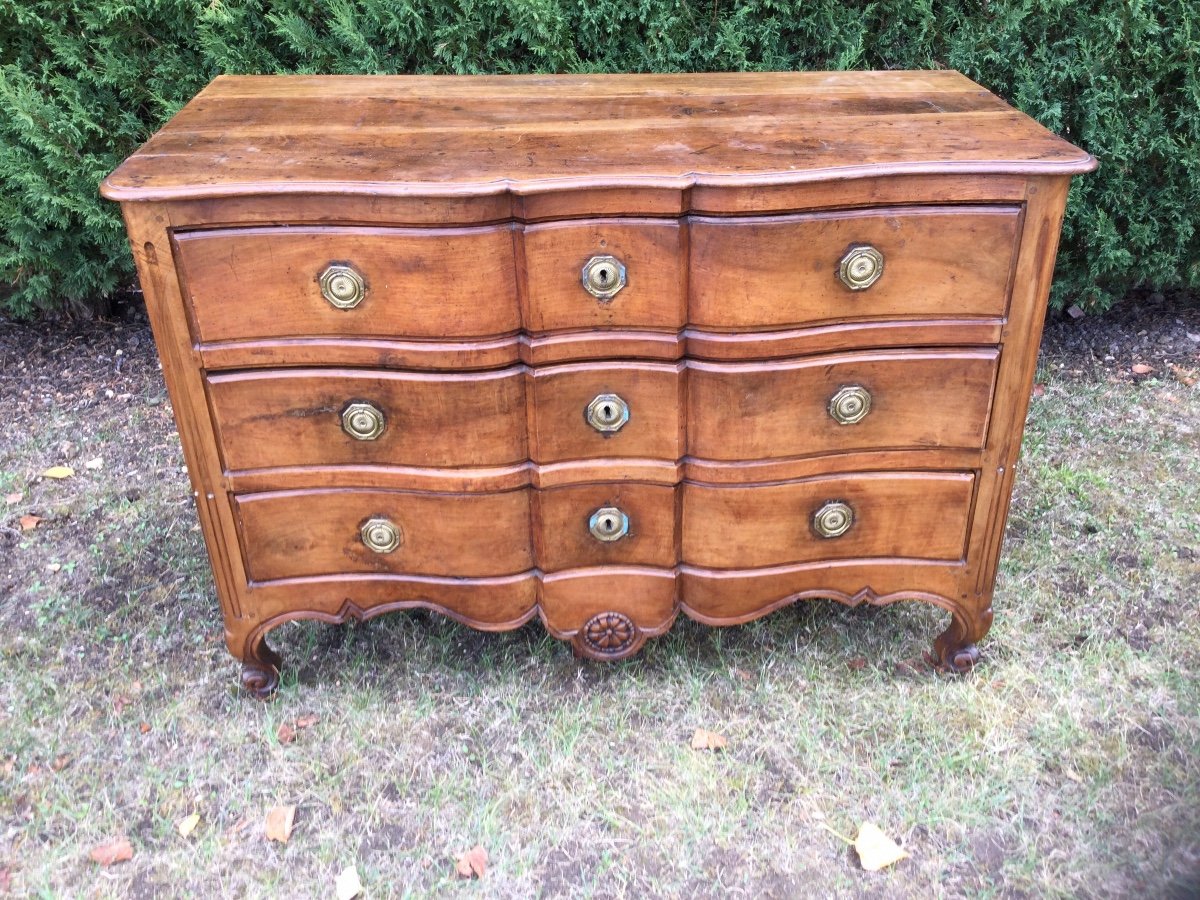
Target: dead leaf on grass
column 58, row 472
column 237, row 827
column 280, row 820
column 473, row 863
column 1185, row 376
column 120, row 702
column 60, row 762
column 94, row 464
column 913, row 667
column 12, row 499
column 875, row 849
column 1141, row 369
column 704, row 739
column 112, row 852
column 308, row 721
column 1039, row 390
column 857, row 663
column 285, row 733
column 28, row 523
column 187, row 824
column 348, row 885
column 144, row 727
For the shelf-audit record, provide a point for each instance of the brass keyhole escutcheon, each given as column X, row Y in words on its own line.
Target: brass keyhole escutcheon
column 607, row 413
column 861, row 267
column 363, row 421
column 342, row 286
column 850, row 404
column 603, row 277
column 608, row 524
column 380, row 535
column 833, row 519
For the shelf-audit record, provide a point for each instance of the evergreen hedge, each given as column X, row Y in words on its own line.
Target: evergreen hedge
column 83, row 82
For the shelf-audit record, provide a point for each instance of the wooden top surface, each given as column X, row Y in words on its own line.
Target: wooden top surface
column 461, row 135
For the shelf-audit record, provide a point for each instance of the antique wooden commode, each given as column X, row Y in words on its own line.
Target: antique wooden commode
column 598, row 349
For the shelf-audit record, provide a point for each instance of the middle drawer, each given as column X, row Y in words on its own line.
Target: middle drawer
column 874, row 400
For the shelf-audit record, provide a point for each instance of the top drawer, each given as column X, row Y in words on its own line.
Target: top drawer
column 776, row 271
column 417, row 282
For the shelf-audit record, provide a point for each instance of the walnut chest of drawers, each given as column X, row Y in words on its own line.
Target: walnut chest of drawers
column 597, row 349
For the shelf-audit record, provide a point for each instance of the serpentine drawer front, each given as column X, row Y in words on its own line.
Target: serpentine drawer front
column 597, row 349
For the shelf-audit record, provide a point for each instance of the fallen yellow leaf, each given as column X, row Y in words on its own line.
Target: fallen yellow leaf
column 28, row 523
column 875, row 849
column 187, row 824
column 708, row 740
column 347, row 884
column 473, row 863
column 58, row 472
column 280, row 820
column 1142, row 369
column 111, row 852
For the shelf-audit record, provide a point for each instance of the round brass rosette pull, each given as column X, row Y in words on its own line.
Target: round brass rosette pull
column 342, row 286
column 833, row 519
column 607, row 413
column 380, row 535
column 861, row 267
column 363, row 421
column 603, row 277
column 608, row 524
column 850, row 404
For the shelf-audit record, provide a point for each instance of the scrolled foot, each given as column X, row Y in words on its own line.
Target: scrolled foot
column 953, row 652
column 260, row 670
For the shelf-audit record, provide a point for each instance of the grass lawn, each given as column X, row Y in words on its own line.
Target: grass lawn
column 1067, row 764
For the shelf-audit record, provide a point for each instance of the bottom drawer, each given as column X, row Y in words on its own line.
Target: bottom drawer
column 297, row 534
column 913, row 515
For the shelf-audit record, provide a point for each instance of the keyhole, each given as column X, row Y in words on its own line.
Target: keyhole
column 608, row 524
column 608, row 413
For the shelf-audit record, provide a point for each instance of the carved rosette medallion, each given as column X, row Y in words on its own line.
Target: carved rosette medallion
column 609, row 633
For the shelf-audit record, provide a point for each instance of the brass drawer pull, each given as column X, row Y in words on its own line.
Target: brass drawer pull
column 342, row 286
column 603, row 277
column 607, row 413
column 608, row 524
column 861, row 267
column 833, row 519
column 363, row 421
column 850, row 404
column 380, row 535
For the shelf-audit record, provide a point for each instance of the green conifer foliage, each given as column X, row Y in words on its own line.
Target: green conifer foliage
column 84, row 82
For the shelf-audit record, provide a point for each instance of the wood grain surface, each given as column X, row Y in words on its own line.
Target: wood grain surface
column 936, row 399
column 918, row 515
column 290, row 534
column 526, row 133
column 779, row 271
column 253, row 283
